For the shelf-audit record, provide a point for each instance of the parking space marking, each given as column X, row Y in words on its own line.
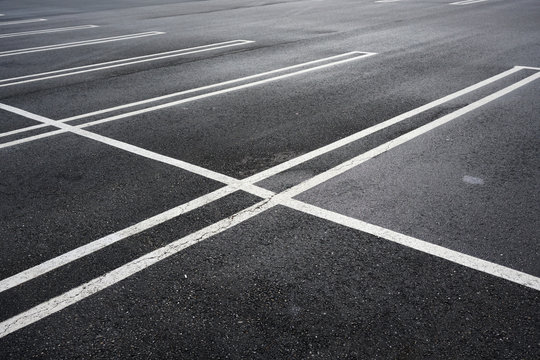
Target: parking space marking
column 15, row 22
column 78, row 43
column 206, row 199
column 354, row 162
column 307, row 156
column 284, row 198
column 453, row 256
column 48, row 31
column 118, row 63
column 234, row 184
column 467, row 2
column 350, row 56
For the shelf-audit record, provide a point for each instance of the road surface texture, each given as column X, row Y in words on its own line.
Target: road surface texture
column 254, row 179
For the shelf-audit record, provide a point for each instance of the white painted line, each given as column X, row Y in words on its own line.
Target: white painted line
column 373, row 129
column 212, row 86
column 81, row 292
column 118, row 63
column 62, row 260
column 78, row 43
column 314, row 153
column 271, row 199
column 47, row 31
column 132, row 149
column 99, row 244
column 15, row 22
column 348, row 165
column 467, row 2
column 387, row 1
column 198, row 97
column 468, row 261
column 529, row 67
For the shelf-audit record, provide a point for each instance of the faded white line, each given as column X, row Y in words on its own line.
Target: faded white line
column 83, row 291
column 117, row 63
column 15, row 22
column 198, row 97
column 79, row 43
column 467, row 2
column 47, row 31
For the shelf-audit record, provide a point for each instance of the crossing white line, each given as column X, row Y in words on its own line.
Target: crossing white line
column 305, row 157
column 15, row 22
column 330, row 61
column 467, row 2
column 47, row 31
column 118, row 63
column 158, row 219
column 78, row 43
column 285, row 198
column 233, row 184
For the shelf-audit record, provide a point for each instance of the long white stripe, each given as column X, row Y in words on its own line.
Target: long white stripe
column 468, row 261
column 117, row 63
column 182, row 101
column 81, row 292
column 366, row 132
column 98, row 244
column 346, row 166
column 212, row 86
column 15, row 22
column 73, row 296
column 467, row 2
column 78, row 43
column 62, row 260
column 46, row 31
column 311, row 154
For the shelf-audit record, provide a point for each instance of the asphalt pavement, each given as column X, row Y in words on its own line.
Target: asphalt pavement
column 244, row 179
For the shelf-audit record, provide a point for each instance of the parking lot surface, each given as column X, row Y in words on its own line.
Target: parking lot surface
column 249, row 179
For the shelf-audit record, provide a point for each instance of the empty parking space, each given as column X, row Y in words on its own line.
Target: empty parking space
column 242, row 179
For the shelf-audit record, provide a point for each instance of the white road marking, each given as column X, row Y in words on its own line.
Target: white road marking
column 47, row 31
column 285, row 198
column 198, row 97
column 468, row 261
column 529, row 67
column 117, row 63
column 387, row 1
column 373, row 129
column 160, row 218
column 15, row 22
column 98, row 244
column 467, row 2
column 305, row 157
column 340, row 169
column 212, row 86
column 78, row 43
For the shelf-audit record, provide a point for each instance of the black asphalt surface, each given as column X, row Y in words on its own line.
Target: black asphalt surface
column 283, row 284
